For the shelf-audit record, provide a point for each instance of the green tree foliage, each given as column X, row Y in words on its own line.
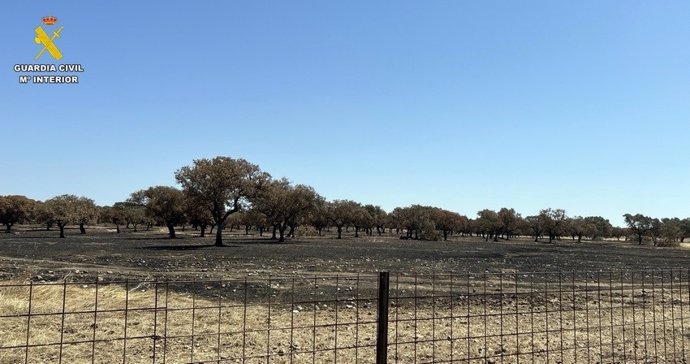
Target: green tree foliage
column 253, row 217
column 41, row 214
column 685, row 228
column 536, row 225
column 341, row 212
column 488, row 224
column 510, row 222
column 285, row 205
column 88, row 213
column 417, row 222
column 619, row 232
column 113, row 215
column 553, row 221
column 134, row 213
column 379, row 217
column 447, row 222
column 165, row 204
column 198, row 215
column 15, row 209
column 579, row 227
column 231, row 192
column 64, row 210
column 223, row 185
column 128, row 213
column 640, row 225
column 361, row 219
column 318, row 217
column 602, row 227
column 593, row 227
column 670, row 231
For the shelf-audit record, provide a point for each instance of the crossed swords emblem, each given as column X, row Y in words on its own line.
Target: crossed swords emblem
column 48, row 45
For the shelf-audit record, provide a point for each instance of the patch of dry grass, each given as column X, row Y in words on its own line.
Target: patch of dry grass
column 480, row 328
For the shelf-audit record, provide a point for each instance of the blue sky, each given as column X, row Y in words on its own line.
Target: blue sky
column 463, row 105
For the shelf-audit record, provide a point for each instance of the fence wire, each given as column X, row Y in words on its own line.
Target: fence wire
column 514, row 317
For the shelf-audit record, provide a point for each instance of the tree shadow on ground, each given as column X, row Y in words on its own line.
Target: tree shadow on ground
column 264, row 241
column 160, row 237
column 185, row 247
column 24, row 237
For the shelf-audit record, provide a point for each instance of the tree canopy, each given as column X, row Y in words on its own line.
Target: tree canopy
column 230, row 192
column 223, row 185
column 15, row 209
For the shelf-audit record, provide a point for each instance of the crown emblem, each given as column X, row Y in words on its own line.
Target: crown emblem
column 49, row 20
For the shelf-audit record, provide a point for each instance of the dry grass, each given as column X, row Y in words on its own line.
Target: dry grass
column 196, row 328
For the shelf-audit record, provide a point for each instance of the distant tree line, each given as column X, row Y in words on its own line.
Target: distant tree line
column 227, row 193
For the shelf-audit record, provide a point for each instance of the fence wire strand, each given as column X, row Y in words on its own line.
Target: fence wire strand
column 510, row 317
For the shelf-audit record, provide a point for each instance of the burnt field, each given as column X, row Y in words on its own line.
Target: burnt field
column 40, row 255
column 257, row 301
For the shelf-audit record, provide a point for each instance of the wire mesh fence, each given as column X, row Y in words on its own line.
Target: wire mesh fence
column 514, row 317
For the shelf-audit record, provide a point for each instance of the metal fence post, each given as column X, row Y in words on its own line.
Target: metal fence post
column 382, row 320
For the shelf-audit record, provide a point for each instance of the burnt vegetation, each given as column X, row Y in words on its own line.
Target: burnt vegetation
column 225, row 193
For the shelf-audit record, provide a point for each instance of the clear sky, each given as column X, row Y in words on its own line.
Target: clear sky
column 465, row 105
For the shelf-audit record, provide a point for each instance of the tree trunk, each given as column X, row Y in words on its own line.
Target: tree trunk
column 281, row 231
column 261, row 231
column 639, row 239
column 445, row 235
column 118, row 228
column 81, row 228
column 9, row 228
column 219, row 233
column 202, row 228
column 62, row 231
column 246, row 229
column 273, row 235
column 171, row 231
column 340, row 231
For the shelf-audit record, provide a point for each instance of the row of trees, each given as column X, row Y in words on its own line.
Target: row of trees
column 221, row 192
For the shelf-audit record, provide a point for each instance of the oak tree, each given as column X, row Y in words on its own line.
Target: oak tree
column 15, row 209
column 223, row 185
column 63, row 210
column 165, row 204
column 88, row 213
column 341, row 213
column 640, row 225
column 284, row 204
column 553, row 221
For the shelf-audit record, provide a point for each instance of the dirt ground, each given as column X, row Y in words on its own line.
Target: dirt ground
column 464, row 300
column 40, row 255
